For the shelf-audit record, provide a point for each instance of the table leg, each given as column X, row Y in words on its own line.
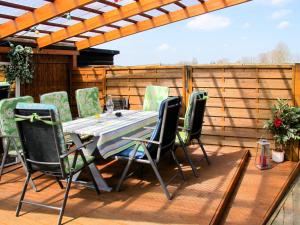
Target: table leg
column 88, row 150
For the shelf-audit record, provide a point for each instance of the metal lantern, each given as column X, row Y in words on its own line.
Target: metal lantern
column 263, row 155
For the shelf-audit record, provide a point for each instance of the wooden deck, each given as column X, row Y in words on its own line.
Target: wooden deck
column 256, row 193
column 196, row 200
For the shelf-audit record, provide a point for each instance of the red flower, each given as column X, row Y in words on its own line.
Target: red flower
column 277, row 122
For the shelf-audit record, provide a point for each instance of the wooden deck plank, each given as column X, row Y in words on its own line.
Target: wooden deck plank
column 256, row 193
column 141, row 202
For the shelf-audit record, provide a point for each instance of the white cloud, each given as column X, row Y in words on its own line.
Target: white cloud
column 246, row 25
column 209, row 22
column 283, row 25
column 275, row 2
column 279, row 2
column 280, row 13
column 165, row 47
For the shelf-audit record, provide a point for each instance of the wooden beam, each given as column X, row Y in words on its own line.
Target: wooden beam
column 121, row 13
column 296, row 88
column 40, row 15
column 158, row 21
column 46, row 51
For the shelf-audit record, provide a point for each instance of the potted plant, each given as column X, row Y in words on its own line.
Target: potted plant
column 284, row 126
column 20, row 69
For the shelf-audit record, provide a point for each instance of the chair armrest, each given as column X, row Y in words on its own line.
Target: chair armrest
column 150, row 128
column 76, row 149
column 140, row 140
column 8, row 136
column 184, row 129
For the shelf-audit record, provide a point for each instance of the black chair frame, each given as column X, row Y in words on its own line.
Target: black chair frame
column 150, row 159
column 34, row 165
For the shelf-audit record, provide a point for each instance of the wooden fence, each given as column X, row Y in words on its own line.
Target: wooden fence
column 240, row 96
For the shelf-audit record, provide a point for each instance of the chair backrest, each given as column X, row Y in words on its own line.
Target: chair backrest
column 42, row 138
column 61, row 101
column 166, row 127
column 4, row 90
column 87, row 100
column 7, row 121
column 120, row 103
column 195, row 114
column 154, row 95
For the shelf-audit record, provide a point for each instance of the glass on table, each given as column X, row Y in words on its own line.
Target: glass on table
column 109, row 104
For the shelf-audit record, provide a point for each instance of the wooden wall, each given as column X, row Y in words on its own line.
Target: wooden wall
column 52, row 73
column 240, row 96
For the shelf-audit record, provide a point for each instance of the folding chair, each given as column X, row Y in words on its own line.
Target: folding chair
column 61, row 101
column 45, row 151
column 162, row 141
column 87, row 100
column 193, row 123
column 154, row 95
column 9, row 133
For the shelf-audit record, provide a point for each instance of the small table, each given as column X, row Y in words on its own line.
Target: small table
column 107, row 132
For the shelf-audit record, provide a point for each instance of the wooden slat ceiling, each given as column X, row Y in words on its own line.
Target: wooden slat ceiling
column 87, row 23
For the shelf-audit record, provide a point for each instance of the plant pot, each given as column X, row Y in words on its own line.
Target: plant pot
column 277, row 157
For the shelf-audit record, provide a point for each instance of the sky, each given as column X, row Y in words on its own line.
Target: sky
column 244, row 30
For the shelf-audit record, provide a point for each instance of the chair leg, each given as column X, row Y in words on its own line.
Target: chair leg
column 3, row 162
column 154, row 167
column 94, row 181
column 59, row 183
column 187, row 156
column 178, row 165
column 26, row 172
column 23, row 194
column 204, row 152
column 124, row 174
column 62, row 210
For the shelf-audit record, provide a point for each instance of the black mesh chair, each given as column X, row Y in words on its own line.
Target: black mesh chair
column 161, row 142
column 4, row 91
column 44, row 149
column 193, row 123
column 120, row 103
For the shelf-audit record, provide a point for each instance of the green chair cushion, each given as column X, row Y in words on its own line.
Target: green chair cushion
column 154, row 95
column 184, row 136
column 87, row 100
column 79, row 163
column 61, row 101
column 8, row 125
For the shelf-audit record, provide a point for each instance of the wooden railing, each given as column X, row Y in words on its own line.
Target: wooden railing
column 240, row 95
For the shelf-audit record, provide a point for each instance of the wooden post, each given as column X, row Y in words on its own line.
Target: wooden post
column 18, row 88
column 184, row 88
column 294, row 149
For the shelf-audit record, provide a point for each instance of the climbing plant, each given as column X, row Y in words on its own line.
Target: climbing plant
column 21, row 65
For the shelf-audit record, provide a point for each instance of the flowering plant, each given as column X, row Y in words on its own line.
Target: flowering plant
column 285, row 123
column 21, row 65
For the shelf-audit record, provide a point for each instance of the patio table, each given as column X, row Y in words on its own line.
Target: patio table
column 107, row 131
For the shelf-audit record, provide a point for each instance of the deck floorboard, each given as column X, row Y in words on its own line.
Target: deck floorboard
column 142, row 201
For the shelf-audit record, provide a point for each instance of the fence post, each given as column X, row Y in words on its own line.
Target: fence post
column 294, row 150
column 184, row 87
column 104, row 85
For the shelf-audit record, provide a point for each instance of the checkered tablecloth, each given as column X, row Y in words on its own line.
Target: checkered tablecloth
column 110, row 129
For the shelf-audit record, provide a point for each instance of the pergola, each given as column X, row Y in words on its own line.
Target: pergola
column 87, row 23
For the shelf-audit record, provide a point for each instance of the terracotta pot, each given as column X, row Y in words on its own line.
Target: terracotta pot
column 278, row 157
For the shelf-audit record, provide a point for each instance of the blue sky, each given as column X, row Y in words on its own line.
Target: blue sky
column 244, row 30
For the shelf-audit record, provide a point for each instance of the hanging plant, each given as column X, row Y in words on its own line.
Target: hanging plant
column 21, row 65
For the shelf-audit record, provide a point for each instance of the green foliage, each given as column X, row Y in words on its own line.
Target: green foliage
column 21, row 65
column 284, row 124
